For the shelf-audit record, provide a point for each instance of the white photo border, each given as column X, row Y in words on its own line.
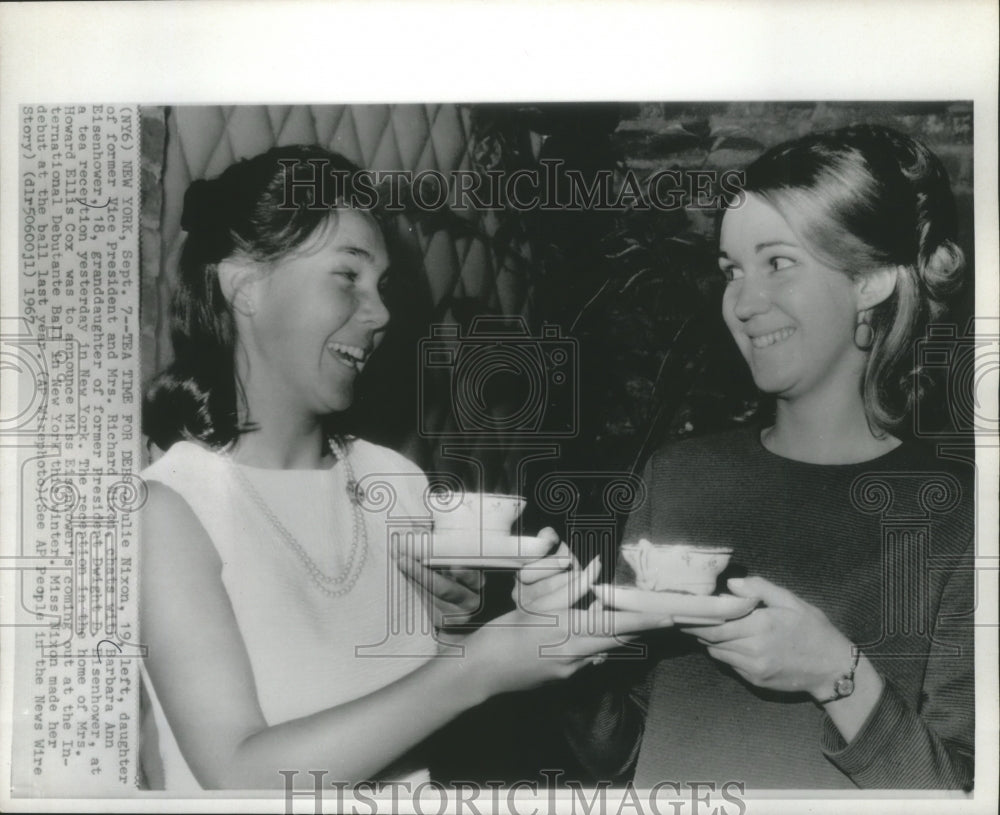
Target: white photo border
column 361, row 52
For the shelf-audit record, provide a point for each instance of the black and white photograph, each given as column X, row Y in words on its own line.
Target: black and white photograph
column 500, row 448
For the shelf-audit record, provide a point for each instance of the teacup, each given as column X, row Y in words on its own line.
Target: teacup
column 681, row 567
column 486, row 512
column 463, row 543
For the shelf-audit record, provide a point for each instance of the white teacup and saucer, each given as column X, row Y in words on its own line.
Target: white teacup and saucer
column 473, row 530
column 676, row 580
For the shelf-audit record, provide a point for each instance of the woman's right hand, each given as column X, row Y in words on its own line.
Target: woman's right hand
column 545, row 638
column 520, row 650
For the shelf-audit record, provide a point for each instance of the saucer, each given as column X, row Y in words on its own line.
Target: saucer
column 685, row 609
column 488, row 562
column 506, row 552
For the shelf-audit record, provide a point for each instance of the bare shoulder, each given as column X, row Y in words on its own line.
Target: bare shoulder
column 175, row 545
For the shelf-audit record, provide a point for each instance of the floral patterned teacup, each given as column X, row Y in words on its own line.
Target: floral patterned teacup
column 475, row 522
column 681, row 567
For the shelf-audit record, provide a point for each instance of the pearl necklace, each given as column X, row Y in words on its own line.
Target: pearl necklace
column 330, row 585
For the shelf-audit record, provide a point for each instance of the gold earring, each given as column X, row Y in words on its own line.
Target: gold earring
column 864, row 336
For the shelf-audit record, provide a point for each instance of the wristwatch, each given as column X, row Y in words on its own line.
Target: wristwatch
column 844, row 685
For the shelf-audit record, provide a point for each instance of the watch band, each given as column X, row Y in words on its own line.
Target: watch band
column 844, row 685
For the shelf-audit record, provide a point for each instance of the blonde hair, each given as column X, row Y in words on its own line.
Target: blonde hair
column 863, row 198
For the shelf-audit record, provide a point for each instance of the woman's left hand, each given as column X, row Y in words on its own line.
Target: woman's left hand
column 788, row 645
column 456, row 593
column 555, row 581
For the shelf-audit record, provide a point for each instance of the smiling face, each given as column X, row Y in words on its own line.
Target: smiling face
column 312, row 318
column 792, row 316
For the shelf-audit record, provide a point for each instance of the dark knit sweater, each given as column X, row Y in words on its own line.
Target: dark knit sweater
column 883, row 548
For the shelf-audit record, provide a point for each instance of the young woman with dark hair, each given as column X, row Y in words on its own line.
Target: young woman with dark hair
column 281, row 634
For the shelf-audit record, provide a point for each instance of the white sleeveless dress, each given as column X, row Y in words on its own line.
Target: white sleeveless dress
column 309, row 651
